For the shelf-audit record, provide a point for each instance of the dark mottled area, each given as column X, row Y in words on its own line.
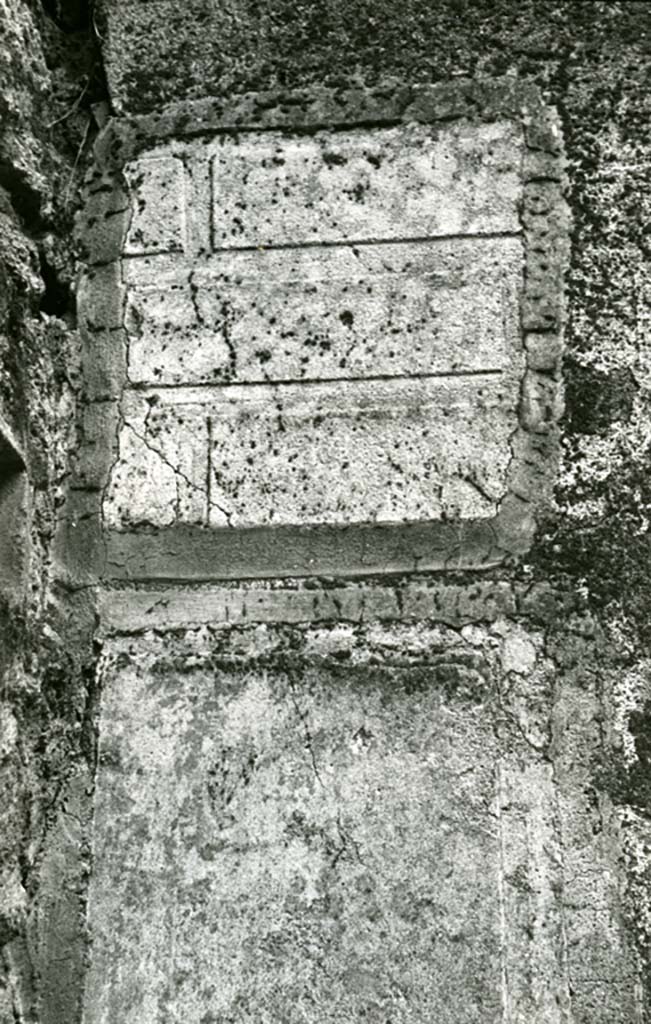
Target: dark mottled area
column 596, row 399
column 50, row 76
column 242, row 46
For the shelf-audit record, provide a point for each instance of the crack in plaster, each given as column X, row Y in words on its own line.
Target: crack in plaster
column 178, row 473
column 302, row 715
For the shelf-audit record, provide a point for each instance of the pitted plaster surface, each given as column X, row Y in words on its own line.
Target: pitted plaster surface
column 158, row 214
column 349, row 302
column 404, row 182
column 347, row 311
column 351, row 451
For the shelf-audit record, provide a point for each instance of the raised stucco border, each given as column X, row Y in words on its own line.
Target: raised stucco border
column 198, row 553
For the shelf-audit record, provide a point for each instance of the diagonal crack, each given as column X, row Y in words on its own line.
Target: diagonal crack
column 179, row 473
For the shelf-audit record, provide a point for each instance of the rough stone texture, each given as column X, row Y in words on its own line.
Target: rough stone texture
column 591, row 61
column 46, row 657
column 14, row 543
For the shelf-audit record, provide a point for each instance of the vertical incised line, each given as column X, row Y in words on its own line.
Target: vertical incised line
column 211, row 207
column 564, row 951
column 501, row 895
column 209, row 472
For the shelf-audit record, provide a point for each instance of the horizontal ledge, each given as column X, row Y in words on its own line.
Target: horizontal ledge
column 132, row 609
column 196, row 553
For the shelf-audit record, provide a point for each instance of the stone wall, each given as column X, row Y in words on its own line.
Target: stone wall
column 569, row 780
column 322, row 798
column 48, row 80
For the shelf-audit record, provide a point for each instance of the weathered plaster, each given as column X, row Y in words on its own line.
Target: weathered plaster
column 345, row 817
column 437, row 455
column 592, row 548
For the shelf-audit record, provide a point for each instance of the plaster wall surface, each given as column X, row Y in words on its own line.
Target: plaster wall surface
column 323, row 805
column 225, row 705
column 561, row 670
column 319, row 843
column 335, row 802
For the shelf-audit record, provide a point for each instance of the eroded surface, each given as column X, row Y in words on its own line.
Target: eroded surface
column 319, row 841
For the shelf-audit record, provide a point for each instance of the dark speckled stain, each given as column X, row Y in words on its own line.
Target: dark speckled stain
column 596, row 399
column 333, row 159
column 635, row 782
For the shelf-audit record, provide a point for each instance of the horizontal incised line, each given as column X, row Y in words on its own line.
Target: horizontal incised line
column 333, row 244
column 293, row 382
column 339, row 243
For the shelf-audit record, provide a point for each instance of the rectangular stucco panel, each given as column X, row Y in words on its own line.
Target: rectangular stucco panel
column 379, row 451
column 322, row 330
column 316, row 843
column 386, row 184
column 348, row 311
column 329, row 351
